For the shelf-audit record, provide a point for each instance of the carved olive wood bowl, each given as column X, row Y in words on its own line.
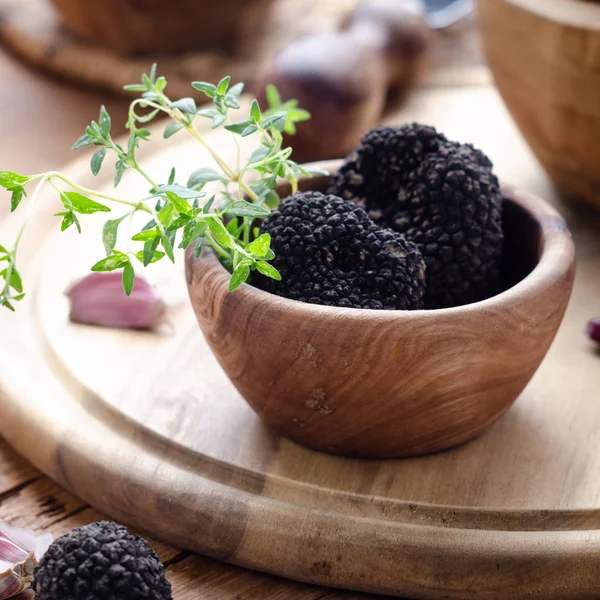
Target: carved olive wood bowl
column 171, row 26
column 545, row 59
column 375, row 383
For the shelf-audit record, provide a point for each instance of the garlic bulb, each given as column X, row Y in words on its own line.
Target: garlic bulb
column 20, row 551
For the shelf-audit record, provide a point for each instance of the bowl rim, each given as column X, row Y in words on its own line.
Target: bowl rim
column 583, row 14
column 557, row 258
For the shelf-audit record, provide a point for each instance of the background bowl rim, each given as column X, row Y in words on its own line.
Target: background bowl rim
column 583, row 14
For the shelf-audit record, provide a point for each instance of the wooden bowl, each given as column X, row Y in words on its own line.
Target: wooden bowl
column 383, row 384
column 170, row 26
column 545, row 59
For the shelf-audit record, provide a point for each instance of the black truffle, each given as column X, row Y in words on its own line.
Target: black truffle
column 440, row 194
column 100, row 561
column 376, row 173
column 329, row 252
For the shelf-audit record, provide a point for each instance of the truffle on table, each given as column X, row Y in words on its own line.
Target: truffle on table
column 100, row 561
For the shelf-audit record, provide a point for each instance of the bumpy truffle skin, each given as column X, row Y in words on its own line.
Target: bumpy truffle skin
column 100, row 561
column 443, row 196
column 329, row 252
column 376, row 172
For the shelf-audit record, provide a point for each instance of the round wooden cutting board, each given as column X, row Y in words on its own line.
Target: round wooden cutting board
column 147, row 428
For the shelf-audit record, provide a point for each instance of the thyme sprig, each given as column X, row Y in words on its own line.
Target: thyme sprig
column 179, row 214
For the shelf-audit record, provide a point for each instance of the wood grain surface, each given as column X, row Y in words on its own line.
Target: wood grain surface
column 27, row 497
column 32, row 29
column 514, row 514
column 545, row 58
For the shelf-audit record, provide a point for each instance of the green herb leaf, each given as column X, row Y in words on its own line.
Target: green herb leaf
column 209, row 113
column 208, row 205
column 220, row 233
column 167, row 245
column 97, row 160
column 128, row 278
column 298, row 114
column 269, row 270
column 223, row 85
column 239, row 276
column 111, row 263
column 280, row 123
column 109, row 234
column 202, row 176
column 238, row 128
column 249, row 130
column 104, row 121
column 241, row 208
column 172, row 176
column 236, row 90
column 191, row 232
column 81, row 204
column 259, row 155
column 231, row 102
column 232, row 226
column 272, row 199
column 10, row 180
column 218, row 120
column 171, row 129
column 273, row 97
column 83, row 141
column 150, row 250
column 316, row 171
column 165, row 216
column 272, row 118
column 15, row 280
column 186, row 105
column 120, row 170
column 146, row 236
column 260, row 246
column 69, row 218
column 179, row 203
column 150, row 95
column 156, row 256
column 207, row 88
column 16, row 197
column 182, row 192
column 135, row 87
column 255, row 111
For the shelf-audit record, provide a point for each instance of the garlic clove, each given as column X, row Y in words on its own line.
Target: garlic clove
column 11, row 584
column 99, row 299
column 20, row 551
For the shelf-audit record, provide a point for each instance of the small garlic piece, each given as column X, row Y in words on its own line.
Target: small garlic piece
column 99, row 299
column 20, row 551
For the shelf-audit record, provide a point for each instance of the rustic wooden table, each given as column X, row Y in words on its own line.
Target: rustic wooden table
column 30, row 103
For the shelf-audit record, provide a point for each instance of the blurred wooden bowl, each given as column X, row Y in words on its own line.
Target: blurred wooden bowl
column 167, row 26
column 545, row 59
column 373, row 383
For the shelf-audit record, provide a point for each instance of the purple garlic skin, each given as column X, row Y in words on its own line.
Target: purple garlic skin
column 593, row 330
column 99, row 299
column 20, row 551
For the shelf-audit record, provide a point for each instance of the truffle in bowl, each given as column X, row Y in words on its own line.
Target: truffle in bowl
column 390, row 382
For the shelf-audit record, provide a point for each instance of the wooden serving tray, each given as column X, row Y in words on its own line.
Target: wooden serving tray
column 147, row 428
